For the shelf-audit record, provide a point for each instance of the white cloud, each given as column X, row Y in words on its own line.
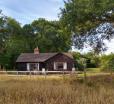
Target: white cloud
column 57, row 1
column 27, row 10
column 110, row 46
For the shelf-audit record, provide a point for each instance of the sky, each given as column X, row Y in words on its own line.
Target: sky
column 25, row 11
column 109, row 45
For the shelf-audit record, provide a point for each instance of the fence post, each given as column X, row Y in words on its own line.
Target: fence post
column 63, row 75
column 44, row 72
column 73, row 70
column 72, row 73
column 6, row 72
column 30, row 73
column 17, row 72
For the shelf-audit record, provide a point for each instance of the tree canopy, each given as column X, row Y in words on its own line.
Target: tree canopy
column 83, row 17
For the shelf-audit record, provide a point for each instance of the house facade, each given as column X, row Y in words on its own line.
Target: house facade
column 50, row 61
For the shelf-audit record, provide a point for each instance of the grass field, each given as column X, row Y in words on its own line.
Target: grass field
column 56, row 90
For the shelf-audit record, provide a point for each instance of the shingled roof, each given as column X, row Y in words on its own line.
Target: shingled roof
column 41, row 57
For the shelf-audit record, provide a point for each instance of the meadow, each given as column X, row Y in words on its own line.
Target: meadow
column 59, row 90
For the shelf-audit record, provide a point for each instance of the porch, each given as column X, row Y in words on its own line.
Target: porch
column 35, row 66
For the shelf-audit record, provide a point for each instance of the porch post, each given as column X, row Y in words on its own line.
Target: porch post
column 38, row 67
column 65, row 66
column 28, row 67
column 54, row 66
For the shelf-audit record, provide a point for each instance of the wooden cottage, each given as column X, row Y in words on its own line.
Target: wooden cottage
column 50, row 61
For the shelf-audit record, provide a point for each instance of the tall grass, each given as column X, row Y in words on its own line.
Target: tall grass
column 98, row 90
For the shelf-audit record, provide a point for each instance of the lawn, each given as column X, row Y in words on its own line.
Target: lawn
column 94, row 70
column 56, row 90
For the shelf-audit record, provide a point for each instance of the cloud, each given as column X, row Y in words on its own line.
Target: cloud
column 110, row 46
column 25, row 11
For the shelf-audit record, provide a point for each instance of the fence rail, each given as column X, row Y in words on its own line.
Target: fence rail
column 36, row 72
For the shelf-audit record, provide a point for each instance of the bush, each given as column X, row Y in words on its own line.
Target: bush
column 107, row 62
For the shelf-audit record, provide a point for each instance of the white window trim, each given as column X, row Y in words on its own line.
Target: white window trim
column 55, row 68
column 28, row 66
column 64, row 65
column 38, row 66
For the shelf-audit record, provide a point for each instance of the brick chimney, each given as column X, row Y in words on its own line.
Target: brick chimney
column 36, row 51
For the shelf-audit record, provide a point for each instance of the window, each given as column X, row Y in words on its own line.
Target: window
column 32, row 66
column 60, row 65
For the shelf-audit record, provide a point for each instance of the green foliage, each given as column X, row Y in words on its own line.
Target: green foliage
column 77, row 56
column 92, row 60
column 14, row 46
column 82, row 17
column 13, row 27
column 49, row 36
column 97, row 70
column 3, row 31
column 107, row 62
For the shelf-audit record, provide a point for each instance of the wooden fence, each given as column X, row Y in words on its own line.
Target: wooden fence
column 35, row 72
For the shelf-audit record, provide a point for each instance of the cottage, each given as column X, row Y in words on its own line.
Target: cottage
column 50, row 61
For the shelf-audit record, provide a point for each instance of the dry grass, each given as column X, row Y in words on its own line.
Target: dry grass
column 98, row 90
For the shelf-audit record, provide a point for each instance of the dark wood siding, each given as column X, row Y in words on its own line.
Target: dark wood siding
column 41, row 65
column 59, row 58
column 21, row 66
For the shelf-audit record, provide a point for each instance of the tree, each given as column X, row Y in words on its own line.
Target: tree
column 3, row 31
column 49, row 36
column 107, row 62
column 14, row 47
column 78, row 63
column 82, row 18
column 13, row 27
column 12, row 42
column 93, row 60
column 111, row 65
column 29, row 34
